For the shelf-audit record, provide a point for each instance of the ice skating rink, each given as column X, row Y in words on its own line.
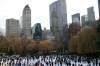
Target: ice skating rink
column 52, row 60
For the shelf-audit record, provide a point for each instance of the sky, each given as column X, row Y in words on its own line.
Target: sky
column 40, row 10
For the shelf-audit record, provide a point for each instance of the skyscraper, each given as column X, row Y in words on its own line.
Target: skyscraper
column 12, row 27
column 76, row 18
column 58, row 18
column 83, row 20
column 26, row 22
column 99, row 7
column 91, row 14
column 37, row 31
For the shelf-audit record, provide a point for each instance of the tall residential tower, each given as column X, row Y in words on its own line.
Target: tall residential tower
column 99, row 7
column 26, row 22
column 83, row 20
column 76, row 18
column 91, row 14
column 58, row 19
column 12, row 27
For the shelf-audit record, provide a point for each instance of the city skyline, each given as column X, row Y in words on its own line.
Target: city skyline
column 41, row 15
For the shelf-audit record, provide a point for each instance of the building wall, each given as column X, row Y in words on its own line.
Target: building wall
column 12, row 27
column 26, row 22
column 58, row 18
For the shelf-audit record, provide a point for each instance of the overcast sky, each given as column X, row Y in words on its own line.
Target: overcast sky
column 40, row 10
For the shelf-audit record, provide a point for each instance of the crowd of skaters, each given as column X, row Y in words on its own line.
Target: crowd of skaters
column 51, row 60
